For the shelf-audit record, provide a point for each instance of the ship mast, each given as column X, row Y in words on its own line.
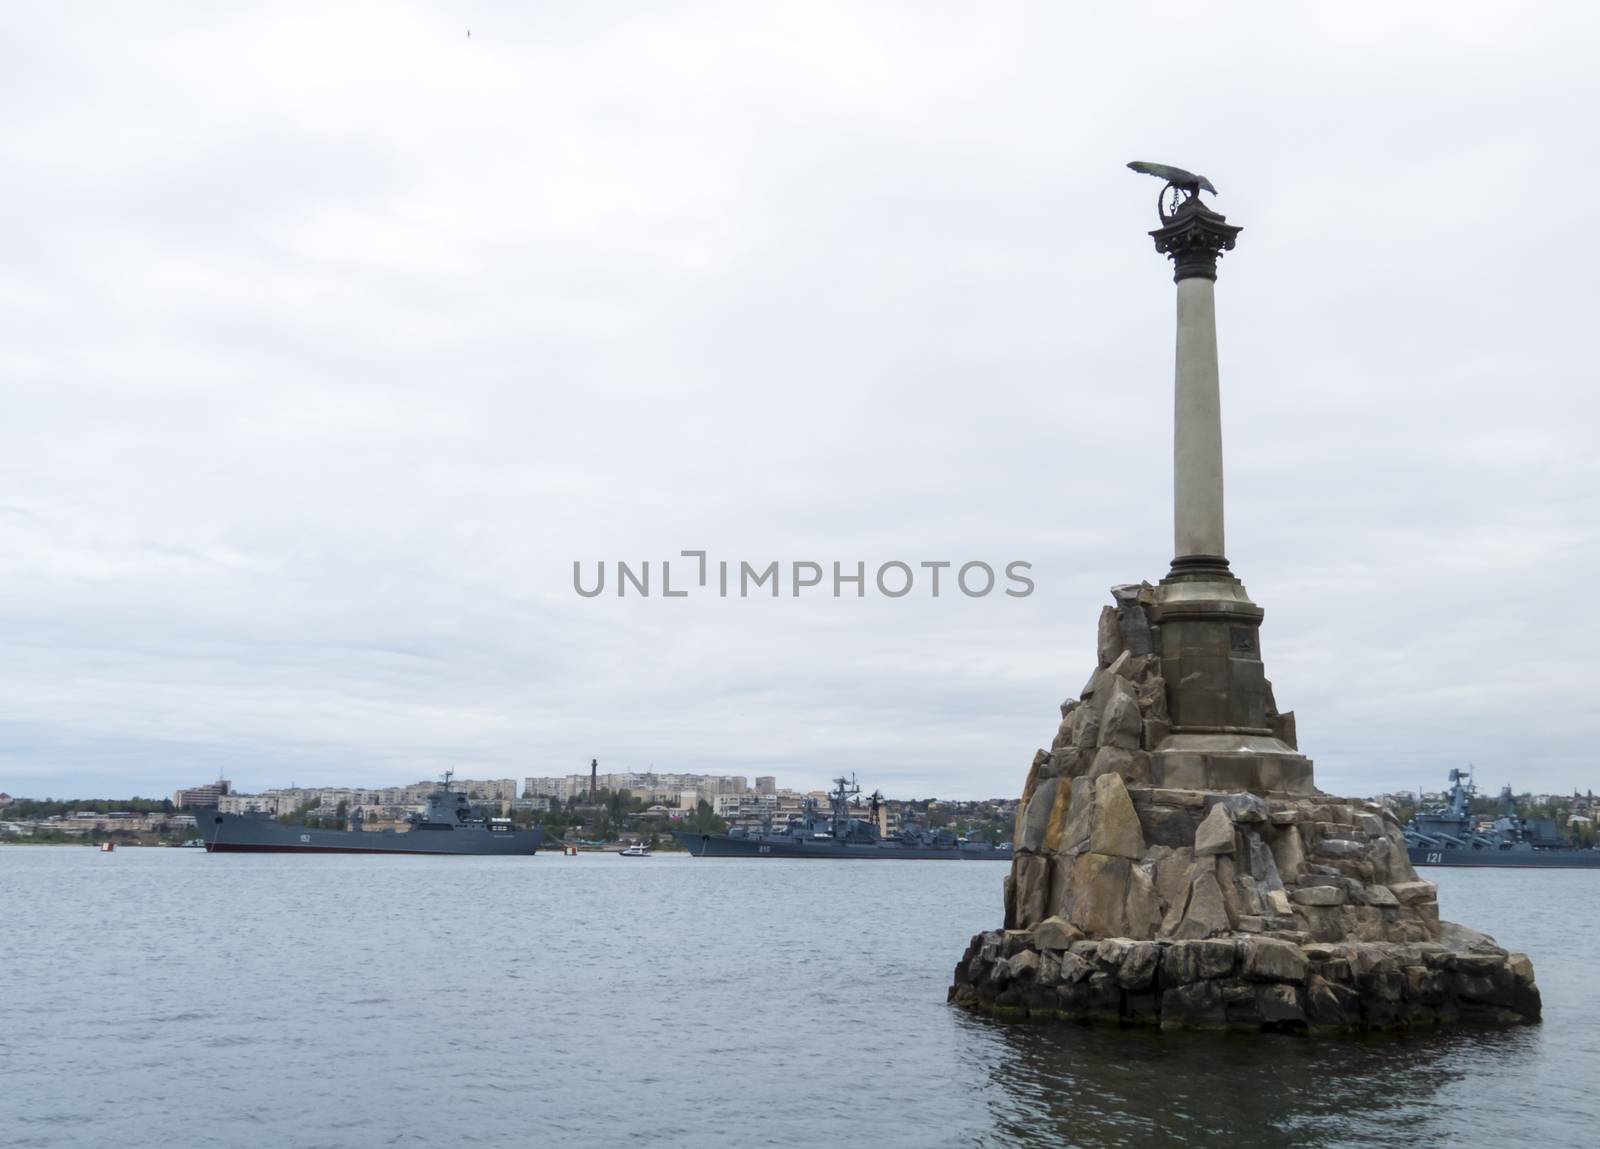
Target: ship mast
column 839, row 797
column 1461, row 791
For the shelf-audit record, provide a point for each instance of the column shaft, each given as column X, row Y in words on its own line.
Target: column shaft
column 1197, row 438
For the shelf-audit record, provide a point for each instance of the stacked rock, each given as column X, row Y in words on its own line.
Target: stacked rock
column 1134, row 902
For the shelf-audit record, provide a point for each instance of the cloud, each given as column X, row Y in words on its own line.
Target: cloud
column 331, row 338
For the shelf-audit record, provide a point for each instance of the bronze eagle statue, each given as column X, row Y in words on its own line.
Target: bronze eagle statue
column 1177, row 177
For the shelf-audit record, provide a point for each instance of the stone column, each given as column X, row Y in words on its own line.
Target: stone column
column 1194, row 236
column 1217, row 693
column 1197, row 427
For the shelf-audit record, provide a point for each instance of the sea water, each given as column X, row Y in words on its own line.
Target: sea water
column 152, row 997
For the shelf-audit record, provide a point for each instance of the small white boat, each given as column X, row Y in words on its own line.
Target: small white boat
column 637, row 850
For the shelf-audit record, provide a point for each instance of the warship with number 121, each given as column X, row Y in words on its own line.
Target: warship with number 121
column 1452, row 836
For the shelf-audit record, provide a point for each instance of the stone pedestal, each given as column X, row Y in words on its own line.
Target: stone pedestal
column 1226, row 733
column 1197, row 879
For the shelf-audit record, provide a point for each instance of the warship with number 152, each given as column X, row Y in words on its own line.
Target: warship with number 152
column 840, row 836
column 447, row 825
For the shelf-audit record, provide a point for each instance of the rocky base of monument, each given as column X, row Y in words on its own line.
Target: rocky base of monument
column 1245, row 982
column 1135, row 900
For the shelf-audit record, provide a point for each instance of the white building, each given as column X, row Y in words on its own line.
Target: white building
column 206, row 795
column 651, row 786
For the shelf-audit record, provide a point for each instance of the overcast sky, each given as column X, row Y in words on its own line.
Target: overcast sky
column 331, row 336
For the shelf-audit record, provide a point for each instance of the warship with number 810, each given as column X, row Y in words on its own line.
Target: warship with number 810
column 839, row 836
column 447, row 825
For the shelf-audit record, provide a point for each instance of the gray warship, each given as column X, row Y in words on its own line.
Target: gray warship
column 447, row 825
column 1449, row 836
column 839, row 836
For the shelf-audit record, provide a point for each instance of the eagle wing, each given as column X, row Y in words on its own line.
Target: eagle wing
column 1173, row 175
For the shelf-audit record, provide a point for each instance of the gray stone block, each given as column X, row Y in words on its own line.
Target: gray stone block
column 1267, row 959
column 1215, row 834
column 1318, row 896
column 1055, row 933
column 1279, row 1007
column 1340, row 848
column 1262, row 865
column 1410, row 893
column 1206, row 914
column 1080, row 816
column 1115, row 826
column 1216, row 957
column 1173, row 873
column 1132, row 765
column 1143, row 910
column 1067, row 762
column 1172, row 826
column 1120, row 723
column 1137, row 969
column 1109, row 636
column 1247, row 808
column 1098, row 902
column 1284, row 729
column 1032, row 874
column 1086, row 726
column 1288, row 852
column 1036, row 816
column 1197, row 1005
column 1134, row 630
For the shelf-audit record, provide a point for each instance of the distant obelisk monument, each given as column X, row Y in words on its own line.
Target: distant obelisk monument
column 1175, row 863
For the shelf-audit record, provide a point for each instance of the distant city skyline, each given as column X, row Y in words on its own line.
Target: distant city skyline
column 752, row 783
column 1486, row 787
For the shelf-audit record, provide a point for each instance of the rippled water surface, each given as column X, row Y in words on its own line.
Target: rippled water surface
column 159, row 997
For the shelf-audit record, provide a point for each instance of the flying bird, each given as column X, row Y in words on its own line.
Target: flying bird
column 1177, row 177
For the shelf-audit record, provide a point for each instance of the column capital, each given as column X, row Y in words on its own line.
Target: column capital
column 1193, row 237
